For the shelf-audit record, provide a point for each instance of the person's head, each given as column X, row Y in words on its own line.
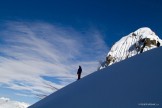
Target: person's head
column 79, row 66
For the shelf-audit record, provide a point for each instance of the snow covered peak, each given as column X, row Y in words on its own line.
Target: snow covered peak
column 136, row 42
column 146, row 32
column 123, row 85
column 7, row 103
column 143, row 30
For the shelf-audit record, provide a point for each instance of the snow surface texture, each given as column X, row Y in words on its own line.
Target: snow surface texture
column 130, row 45
column 7, row 103
column 132, row 83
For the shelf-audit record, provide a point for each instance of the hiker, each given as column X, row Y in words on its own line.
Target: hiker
column 79, row 72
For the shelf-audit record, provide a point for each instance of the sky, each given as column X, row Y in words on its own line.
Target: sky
column 42, row 42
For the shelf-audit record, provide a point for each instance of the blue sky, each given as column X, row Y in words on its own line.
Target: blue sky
column 43, row 41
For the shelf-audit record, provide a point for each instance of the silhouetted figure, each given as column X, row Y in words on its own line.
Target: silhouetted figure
column 79, row 72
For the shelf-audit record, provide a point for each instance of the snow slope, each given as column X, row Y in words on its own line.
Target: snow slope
column 127, row 46
column 132, row 83
column 7, row 103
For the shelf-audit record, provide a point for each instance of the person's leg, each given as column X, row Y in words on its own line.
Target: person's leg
column 79, row 76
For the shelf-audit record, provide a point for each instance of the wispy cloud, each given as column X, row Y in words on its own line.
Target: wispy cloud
column 31, row 51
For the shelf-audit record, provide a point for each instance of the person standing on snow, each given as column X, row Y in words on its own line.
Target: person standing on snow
column 79, row 72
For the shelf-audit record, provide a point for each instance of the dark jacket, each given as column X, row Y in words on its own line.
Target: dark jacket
column 79, row 70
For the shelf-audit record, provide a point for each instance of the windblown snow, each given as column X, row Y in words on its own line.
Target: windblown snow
column 7, row 103
column 131, row 45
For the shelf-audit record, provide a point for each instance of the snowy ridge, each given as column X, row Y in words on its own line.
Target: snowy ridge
column 122, row 85
column 131, row 45
column 7, row 103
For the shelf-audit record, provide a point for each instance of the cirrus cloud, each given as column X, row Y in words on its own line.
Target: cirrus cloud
column 35, row 55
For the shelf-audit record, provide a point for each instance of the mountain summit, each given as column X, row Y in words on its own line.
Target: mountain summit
column 135, row 43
